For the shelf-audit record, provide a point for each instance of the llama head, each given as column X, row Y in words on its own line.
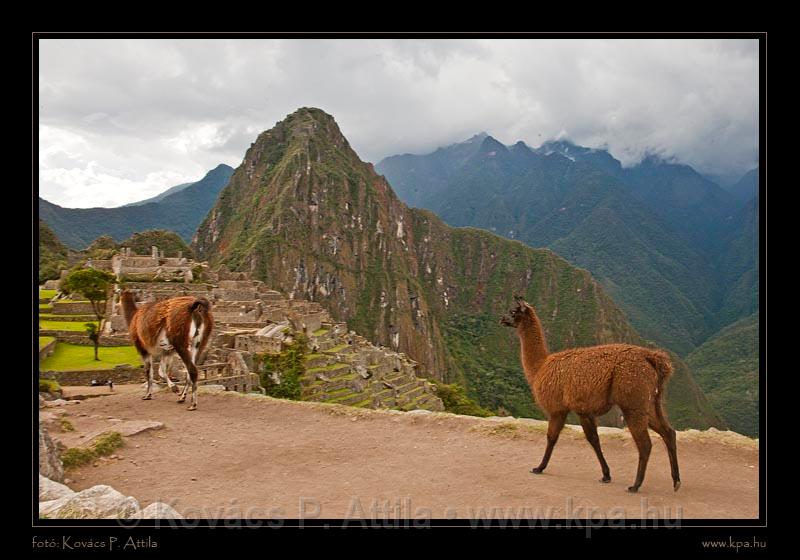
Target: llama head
column 517, row 313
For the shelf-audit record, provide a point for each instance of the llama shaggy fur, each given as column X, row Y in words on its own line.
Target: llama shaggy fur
column 589, row 381
column 179, row 325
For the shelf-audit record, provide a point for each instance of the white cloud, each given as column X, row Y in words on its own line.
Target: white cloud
column 122, row 120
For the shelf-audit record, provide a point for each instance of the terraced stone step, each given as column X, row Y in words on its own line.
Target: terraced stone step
column 413, row 393
column 67, row 318
column 349, row 400
column 241, row 324
column 330, row 372
column 317, row 360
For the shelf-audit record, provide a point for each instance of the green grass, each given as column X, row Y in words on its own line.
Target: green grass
column 45, row 340
column 47, row 294
column 62, row 326
column 103, row 445
column 72, row 356
column 45, row 307
column 320, row 332
column 67, row 318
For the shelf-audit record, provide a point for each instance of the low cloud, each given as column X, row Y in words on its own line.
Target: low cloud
column 123, row 120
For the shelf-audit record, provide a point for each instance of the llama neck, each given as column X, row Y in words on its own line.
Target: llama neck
column 533, row 347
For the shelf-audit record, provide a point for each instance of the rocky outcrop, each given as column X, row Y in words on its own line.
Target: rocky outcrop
column 97, row 502
column 50, row 464
column 157, row 510
column 57, row 501
column 50, row 490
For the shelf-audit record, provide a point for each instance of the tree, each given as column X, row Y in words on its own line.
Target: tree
column 94, row 335
column 93, row 284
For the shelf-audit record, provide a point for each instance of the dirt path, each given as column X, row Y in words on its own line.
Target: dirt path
column 254, row 458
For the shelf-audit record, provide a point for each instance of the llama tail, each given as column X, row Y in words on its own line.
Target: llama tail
column 128, row 306
column 662, row 363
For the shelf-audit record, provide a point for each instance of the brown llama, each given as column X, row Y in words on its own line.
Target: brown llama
column 179, row 325
column 589, row 381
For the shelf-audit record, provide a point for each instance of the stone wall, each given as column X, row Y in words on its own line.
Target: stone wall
column 72, row 308
column 119, row 374
column 79, row 338
column 47, row 349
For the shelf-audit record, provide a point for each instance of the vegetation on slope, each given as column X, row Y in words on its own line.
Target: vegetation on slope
column 141, row 243
column 726, row 367
column 52, row 254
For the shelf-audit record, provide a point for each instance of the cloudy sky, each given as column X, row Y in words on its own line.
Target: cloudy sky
column 122, row 120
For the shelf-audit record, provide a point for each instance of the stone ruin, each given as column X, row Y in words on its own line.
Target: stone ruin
column 153, row 267
column 341, row 366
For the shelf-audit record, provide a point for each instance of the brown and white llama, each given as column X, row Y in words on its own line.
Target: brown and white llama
column 179, row 325
column 589, row 381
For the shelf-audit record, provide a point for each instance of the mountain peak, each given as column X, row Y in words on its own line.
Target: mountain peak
column 477, row 138
column 491, row 147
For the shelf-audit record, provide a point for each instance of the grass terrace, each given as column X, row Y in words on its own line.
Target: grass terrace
column 45, row 340
column 75, row 326
column 67, row 357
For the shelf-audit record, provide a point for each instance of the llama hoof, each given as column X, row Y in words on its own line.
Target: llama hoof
column 191, row 407
column 537, row 470
column 605, row 479
column 677, row 485
column 181, row 400
column 633, row 489
column 146, row 398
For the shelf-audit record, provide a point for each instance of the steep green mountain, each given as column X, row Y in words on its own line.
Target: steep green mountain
column 694, row 206
column 726, row 367
column 738, row 265
column 52, row 254
column 306, row 215
column 180, row 211
column 576, row 201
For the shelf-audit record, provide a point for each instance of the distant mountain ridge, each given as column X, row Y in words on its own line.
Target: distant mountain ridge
column 180, row 211
column 653, row 234
column 161, row 196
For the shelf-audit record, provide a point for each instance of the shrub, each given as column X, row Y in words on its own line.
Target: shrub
column 455, row 400
column 49, row 386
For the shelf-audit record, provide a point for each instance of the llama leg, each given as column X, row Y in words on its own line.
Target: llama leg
column 554, row 426
column 163, row 371
column 590, row 431
column 667, row 433
column 148, row 366
column 637, row 424
column 191, row 374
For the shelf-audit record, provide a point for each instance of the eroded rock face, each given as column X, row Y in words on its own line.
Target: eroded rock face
column 97, row 502
column 50, row 464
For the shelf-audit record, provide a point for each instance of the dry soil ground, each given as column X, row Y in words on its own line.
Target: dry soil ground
column 255, row 457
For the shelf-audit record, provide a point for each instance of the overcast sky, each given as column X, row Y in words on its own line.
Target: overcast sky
column 122, row 120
